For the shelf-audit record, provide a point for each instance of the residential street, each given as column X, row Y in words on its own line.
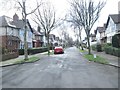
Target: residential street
column 68, row 70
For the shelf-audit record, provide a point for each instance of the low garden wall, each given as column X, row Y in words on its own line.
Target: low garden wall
column 9, row 56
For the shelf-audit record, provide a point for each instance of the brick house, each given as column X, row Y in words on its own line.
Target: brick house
column 99, row 31
column 102, row 38
column 92, row 39
column 37, row 38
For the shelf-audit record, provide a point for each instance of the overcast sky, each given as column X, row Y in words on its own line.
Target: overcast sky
column 62, row 6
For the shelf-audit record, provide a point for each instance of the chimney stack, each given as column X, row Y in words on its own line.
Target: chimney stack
column 15, row 17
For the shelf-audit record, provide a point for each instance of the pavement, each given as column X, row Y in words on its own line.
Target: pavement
column 113, row 60
column 12, row 61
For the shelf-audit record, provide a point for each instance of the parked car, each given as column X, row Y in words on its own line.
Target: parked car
column 58, row 50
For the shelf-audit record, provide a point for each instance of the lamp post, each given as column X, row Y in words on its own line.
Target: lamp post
column 25, row 30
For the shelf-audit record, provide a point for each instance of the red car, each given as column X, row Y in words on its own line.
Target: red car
column 58, row 50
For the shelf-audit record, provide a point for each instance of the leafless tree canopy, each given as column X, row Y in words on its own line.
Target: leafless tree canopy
column 45, row 17
column 85, row 13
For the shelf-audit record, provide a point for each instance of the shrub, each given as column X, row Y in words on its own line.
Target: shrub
column 117, row 52
column 109, row 44
column 113, row 51
column 33, row 50
column 21, row 51
column 105, row 46
column 106, row 50
column 116, row 41
column 37, row 50
column 94, row 47
column 99, row 48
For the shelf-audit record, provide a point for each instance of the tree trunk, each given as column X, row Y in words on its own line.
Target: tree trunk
column 80, row 39
column 25, row 33
column 48, row 44
column 89, row 49
column 81, row 43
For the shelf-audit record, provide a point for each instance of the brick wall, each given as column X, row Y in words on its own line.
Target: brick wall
column 10, row 56
column 10, row 45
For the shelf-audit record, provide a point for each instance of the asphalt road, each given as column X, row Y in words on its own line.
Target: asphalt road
column 68, row 70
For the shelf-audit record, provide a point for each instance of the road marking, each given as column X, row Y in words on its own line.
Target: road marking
column 40, row 70
column 36, row 64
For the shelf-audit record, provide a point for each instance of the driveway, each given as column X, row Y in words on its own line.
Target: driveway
column 68, row 70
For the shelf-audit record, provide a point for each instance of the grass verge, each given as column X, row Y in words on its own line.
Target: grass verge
column 82, row 50
column 31, row 59
column 97, row 59
column 51, row 53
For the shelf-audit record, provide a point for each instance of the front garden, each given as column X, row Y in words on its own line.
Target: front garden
column 109, row 48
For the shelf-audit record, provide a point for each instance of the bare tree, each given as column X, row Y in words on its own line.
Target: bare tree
column 45, row 17
column 75, row 22
column 77, row 37
column 21, row 5
column 25, row 14
column 88, row 13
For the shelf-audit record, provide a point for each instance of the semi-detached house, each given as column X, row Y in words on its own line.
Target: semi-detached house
column 9, row 34
column 9, row 38
column 20, row 24
column 112, row 26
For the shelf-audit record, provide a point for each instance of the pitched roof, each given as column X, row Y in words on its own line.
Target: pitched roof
column 36, row 32
column 100, row 29
column 92, row 35
column 18, row 23
column 6, row 22
column 115, row 18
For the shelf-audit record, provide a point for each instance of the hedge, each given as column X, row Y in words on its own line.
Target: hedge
column 106, row 45
column 116, row 41
column 94, row 47
column 112, row 51
column 34, row 50
column 97, row 47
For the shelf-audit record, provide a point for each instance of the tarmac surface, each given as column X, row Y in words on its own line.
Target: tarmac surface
column 68, row 70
